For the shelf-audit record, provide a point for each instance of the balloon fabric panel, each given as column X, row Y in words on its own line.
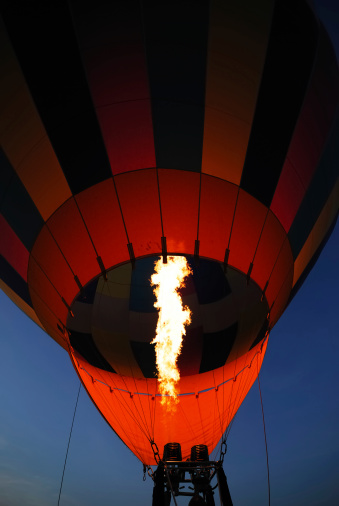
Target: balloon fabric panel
column 49, row 318
column 328, row 75
column 110, row 314
column 141, row 294
column 45, row 294
column 100, row 209
column 24, row 138
column 223, row 341
column 310, row 136
column 82, row 314
column 217, row 204
column 232, row 83
column 88, row 349
column 118, row 81
column 290, row 53
column 318, row 192
column 249, row 219
column 111, row 42
column 179, row 197
column 191, row 355
column 139, row 199
column 60, row 92
column 128, row 135
column 209, row 281
column 310, row 265
column 12, row 249
column 117, row 348
column 18, row 208
column 186, row 121
column 261, row 334
column 281, row 272
column 6, row 174
column 323, row 224
column 289, row 185
column 70, row 233
column 52, row 264
column 318, row 113
column 176, row 48
column 268, row 249
column 116, row 285
column 281, row 299
column 14, row 281
column 137, row 414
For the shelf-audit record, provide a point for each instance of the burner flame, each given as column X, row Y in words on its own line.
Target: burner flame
column 173, row 317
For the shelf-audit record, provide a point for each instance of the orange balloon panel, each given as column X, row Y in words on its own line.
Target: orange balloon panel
column 129, row 132
column 139, row 200
column 217, row 205
column 268, row 250
column 69, row 231
column 53, row 266
column 99, row 207
column 248, row 222
column 133, row 407
column 179, row 195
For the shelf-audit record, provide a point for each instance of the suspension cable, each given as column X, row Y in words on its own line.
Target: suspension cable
column 268, row 469
column 69, row 440
column 170, row 484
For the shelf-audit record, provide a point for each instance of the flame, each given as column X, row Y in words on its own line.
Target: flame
column 173, row 317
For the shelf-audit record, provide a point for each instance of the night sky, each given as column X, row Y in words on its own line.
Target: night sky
column 299, row 381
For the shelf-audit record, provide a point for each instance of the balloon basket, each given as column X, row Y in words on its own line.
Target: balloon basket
column 191, row 479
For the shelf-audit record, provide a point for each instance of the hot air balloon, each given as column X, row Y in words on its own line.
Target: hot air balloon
column 133, row 130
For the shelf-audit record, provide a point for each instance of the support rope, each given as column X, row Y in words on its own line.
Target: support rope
column 268, row 469
column 170, row 484
column 69, row 440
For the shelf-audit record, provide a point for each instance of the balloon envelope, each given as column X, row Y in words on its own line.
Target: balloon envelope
column 132, row 130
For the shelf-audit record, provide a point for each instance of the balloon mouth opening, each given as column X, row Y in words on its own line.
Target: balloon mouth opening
column 115, row 319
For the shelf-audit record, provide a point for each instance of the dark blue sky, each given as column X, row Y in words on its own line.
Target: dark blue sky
column 300, row 384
